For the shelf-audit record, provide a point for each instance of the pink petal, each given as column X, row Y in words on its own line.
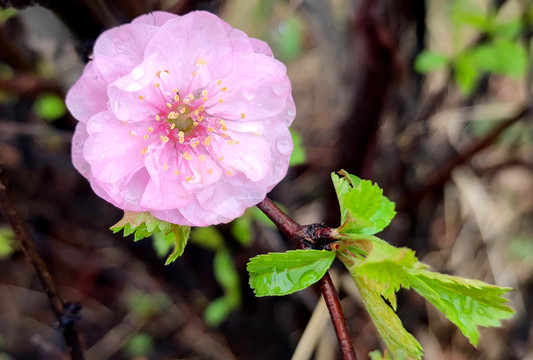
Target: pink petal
column 88, row 96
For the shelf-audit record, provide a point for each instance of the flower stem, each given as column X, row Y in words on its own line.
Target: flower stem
column 66, row 313
column 313, row 236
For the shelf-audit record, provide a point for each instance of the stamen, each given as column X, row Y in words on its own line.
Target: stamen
column 150, row 129
column 220, row 158
column 164, row 139
column 202, row 157
column 207, row 140
column 143, row 151
column 243, row 115
column 187, row 156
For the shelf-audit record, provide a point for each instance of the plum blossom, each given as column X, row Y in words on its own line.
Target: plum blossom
column 184, row 117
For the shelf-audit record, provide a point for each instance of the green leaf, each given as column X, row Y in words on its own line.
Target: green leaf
column 219, row 309
column 364, row 209
column 465, row 302
column 465, row 72
column 385, row 265
column 427, row 61
column 242, row 229
column 298, row 153
column 469, row 13
column 377, row 355
column 179, row 234
column 207, row 237
column 285, row 273
column 502, row 57
column 49, row 107
column 509, row 30
column 165, row 234
column 139, row 345
column 288, row 40
column 389, row 326
column 8, row 244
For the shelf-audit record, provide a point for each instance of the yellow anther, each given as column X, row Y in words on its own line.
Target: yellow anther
column 219, row 82
column 243, row 115
column 209, row 171
column 182, row 110
column 145, row 137
column 200, row 118
column 164, row 139
column 221, row 100
column 158, row 74
column 175, row 90
column 224, row 89
column 176, row 97
column 177, row 172
column 207, row 140
column 223, row 126
column 220, row 158
column 157, row 118
column 256, row 133
column 181, row 137
column 200, row 62
column 141, row 97
column 124, row 123
column 194, row 74
column 229, row 173
column 157, row 85
column 143, row 151
column 195, row 123
column 187, row 156
column 204, row 92
column 132, row 133
column 150, row 129
column 194, row 143
column 172, row 126
column 189, row 178
column 237, row 142
column 204, row 98
column 167, row 72
column 225, row 136
column 172, row 115
column 190, row 96
column 165, row 167
column 231, row 142
column 210, row 129
column 202, row 157
column 169, row 105
column 201, row 108
column 196, row 112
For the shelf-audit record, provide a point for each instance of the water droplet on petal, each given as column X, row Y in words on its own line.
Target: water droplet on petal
column 284, row 145
column 280, row 89
column 248, row 95
column 94, row 127
column 137, row 73
column 115, row 105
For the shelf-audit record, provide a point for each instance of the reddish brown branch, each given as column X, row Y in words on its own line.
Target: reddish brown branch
column 314, row 236
column 65, row 313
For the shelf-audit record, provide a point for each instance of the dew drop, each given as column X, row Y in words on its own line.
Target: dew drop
column 280, row 89
column 137, row 73
column 284, row 145
column 248, row 95
column 94, row 127
column 115, row 105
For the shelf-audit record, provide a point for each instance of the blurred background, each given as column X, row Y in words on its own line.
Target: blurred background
column 428, row 98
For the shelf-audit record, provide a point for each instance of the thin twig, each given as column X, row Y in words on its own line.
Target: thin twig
column 65, row 313
column 314, row 235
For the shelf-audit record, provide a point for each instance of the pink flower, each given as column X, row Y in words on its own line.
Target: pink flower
column 182, row 116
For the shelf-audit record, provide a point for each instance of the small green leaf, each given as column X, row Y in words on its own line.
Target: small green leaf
column 165, row 234
column 509, row 30
column 179, row 234
column 285, row 273
column 364, row 209
column 465, row 302
column 219, row 309
column 298, row 153
column 49, row 107
column 427, row 61
column 465, row 72
column 385, row 265
column 7, row 242
column 389, row 326
column 242, row 229
column 501, row 57
column 207, row 237
column 377, row 355
column 139, row 345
